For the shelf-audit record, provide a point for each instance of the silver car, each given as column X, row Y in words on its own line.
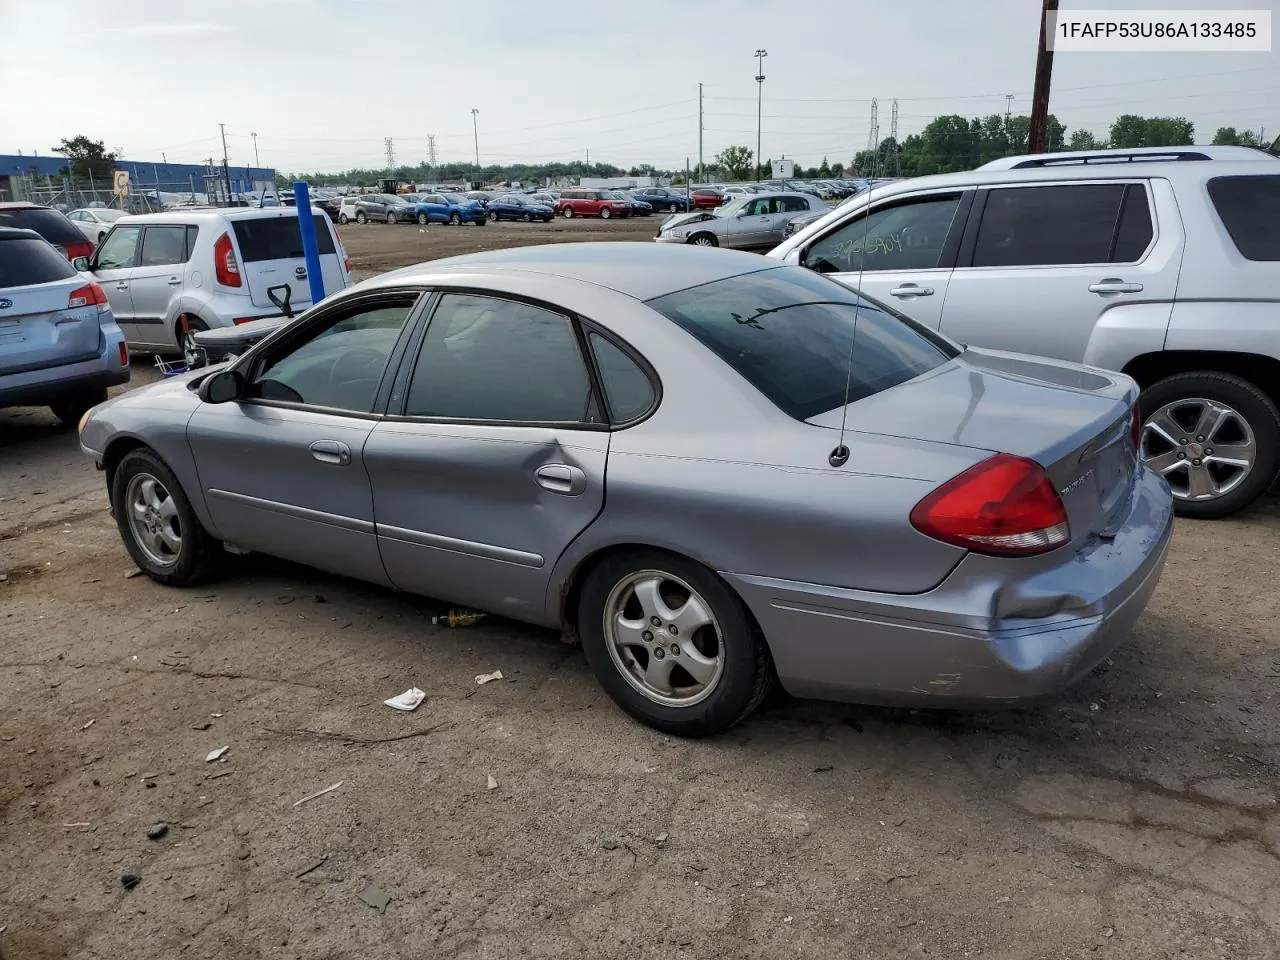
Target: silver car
column 743, row 223
column 715, row 471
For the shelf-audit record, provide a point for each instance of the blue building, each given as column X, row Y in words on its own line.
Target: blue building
column 17, row 172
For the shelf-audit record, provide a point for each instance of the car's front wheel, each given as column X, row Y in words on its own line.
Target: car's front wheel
column 493, row 215
column 422, row 219
column 605, row 213
column 158, row 526
column 671, row 643
column 526, row 218
column 455, row 218
column 69, row 410
column 1214, row 437
column 673, row 208
column 704, row 240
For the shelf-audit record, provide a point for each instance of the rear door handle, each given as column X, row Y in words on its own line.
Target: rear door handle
column 331, row 451
column 175, row 282
column 122, row 285
column 561, row 478
column 911, row 290
column 1114, row 285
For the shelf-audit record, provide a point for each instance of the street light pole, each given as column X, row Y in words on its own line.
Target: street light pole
column 256, row 164
column 760, row 55
column 475, row 129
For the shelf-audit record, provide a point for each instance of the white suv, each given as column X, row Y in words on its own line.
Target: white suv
column 169, row 273
column 1163, row 263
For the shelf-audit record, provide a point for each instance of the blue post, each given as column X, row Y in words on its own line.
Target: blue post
column 307, row 227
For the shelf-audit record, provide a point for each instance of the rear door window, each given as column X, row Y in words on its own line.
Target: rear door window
column 278, row 238
column 163, row 246
column 1049, row 226
column 25, row 260
column 1249, row 207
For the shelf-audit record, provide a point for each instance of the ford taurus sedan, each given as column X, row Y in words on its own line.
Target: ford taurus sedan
column 717, row 471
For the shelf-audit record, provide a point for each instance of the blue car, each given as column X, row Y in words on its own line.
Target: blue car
column 512, row 206
column 660, row 198
column 448, row 208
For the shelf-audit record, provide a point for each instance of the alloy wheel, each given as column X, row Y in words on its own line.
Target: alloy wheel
column 1203, row 448
column 153, row 520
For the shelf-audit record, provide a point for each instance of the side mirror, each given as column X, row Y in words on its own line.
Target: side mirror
column 222, row 386
column 81, row 264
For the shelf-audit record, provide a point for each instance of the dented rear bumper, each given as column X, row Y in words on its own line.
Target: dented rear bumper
column 997, row 629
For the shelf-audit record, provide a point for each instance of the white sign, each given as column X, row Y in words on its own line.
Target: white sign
column 120, row 183
column 784, row 169
column 1133, row 31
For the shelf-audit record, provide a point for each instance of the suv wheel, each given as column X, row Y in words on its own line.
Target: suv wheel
column 190, row 352
column 605, row 213
column 360, row 217
column 1214, row 437
column 455, row 218
column 422, row 219
column 69, row 410
column 342, row 218
column 568, row 213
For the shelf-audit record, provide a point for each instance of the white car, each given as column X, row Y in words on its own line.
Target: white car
column 171, row 274
column 95, row 222
column 347, row 209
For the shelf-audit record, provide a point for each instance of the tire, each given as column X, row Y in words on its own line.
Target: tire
column 1181, row 401
column 69, row 410
column 673, row 208
column 423, row 219
column 391, row 217
column 730, row 647
column 196, row 554
column 455, row 218
column 568, row 213
column 493, row 215
column 194, row 325
column 527, row 218
column 605, row 213
column 342, row 219
column 480, row 223
column 704, row 240
column 360, row 217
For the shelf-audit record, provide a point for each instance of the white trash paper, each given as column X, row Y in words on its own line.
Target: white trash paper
column 483, row 678
column 408, row 701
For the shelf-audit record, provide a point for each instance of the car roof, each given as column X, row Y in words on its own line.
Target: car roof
column 205, row 214
column 23, row 205
column 17, row 233
column 1131, row 155
column 640, row 270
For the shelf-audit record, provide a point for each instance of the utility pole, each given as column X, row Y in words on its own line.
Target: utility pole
column 256, row 164
column 873, row 135
column 588, row 152
column 226, row 164
column 1040, row 94
column 431, row 149
column 700, row 171
column 893, row 135
column 391, row 155
column 475, row 130
column 760, row 55
column 1008, row 105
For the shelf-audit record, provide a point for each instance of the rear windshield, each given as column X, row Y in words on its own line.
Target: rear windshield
column 50, row 224
column 278, row 238
column 1250, row 210
column 25, row 260
column 788, row 331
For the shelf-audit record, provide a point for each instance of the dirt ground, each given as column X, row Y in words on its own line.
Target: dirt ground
column 1135, row 817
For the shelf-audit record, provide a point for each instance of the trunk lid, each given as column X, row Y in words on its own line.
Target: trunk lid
column 1074, row 421
column 270, row 255
column 37, row 330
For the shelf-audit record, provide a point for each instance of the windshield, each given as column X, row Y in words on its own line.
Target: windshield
column 454, row 198
column 788, row 332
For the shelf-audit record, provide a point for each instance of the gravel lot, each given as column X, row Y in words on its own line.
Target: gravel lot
column 1136, row 817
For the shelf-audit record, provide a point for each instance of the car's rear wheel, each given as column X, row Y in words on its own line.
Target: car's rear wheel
column 360, row 217
column 605, row 213
column 422, row 219
column 455, row 218
column 158, row 526
column 568, row 213
column 1214, row 437
column 704, row 240
column 342, row 219
column 187, row 327
column 671, row 643
column 69, row 410
column 673, row 208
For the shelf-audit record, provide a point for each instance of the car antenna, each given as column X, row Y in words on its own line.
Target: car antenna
column 840, row 455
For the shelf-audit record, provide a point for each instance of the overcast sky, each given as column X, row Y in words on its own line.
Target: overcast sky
column 323, row 82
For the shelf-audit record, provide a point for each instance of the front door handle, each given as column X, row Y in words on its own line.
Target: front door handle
column 122, row 285
column 911, row 290
column 331, row 451
column 1114, row 285
column 175, row 282
column 561, row 478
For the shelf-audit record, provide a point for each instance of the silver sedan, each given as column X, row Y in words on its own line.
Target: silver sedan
column 751, row 222
column 717, row 472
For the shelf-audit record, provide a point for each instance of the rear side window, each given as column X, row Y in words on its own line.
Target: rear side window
column 789, row 333
column 50, row 224
column 1046, row 226
column 1250, row 210
column 163, row 246
column 278, row 238
column 627, row 388
column 25, row 260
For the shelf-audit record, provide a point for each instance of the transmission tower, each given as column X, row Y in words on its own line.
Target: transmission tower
column 873, row 135
column 431, row 149
column 893, row 135
column 391, row 156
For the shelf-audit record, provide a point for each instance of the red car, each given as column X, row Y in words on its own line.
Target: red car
column 707, row 197
column 50, row 224
column 591, row 203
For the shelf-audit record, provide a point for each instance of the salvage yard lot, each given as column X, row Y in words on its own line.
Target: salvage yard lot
column 1135, row 816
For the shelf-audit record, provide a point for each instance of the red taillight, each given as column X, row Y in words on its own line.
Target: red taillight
column 346, row 263
column 90, row 295
column 124, row 354
column 1135, row 428
column 77, row 248
column 1004, row 505
column 226, row 270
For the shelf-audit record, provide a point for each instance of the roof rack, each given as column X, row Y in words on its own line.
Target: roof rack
column 1088, row 158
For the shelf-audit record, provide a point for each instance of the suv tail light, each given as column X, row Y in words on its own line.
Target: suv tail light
column 77, row 248
column 225, row 268
column 1004, row 505
column 1135, row 428
column 90, row 295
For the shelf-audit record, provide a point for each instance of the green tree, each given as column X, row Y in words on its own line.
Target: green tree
column 86, row 158
column 837, row 170
column 1131, row 130
column 1084, row 140
column 824, row 171
column 766, row 171
column 1229, row 136
column 735, row 161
